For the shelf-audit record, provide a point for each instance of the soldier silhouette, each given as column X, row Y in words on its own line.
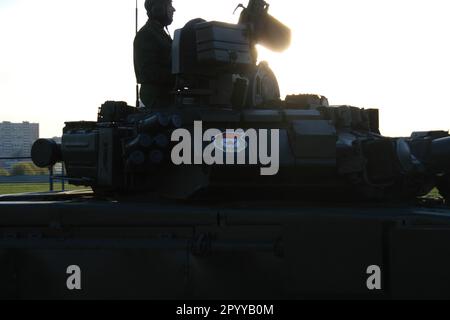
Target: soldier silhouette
column 152, row 55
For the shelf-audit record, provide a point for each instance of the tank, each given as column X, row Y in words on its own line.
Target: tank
column 226, row 115
column 232, row 192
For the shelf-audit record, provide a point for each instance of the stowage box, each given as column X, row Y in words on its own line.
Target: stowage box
column 221, row 43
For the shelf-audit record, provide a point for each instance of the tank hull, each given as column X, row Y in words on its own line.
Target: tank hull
column 139, row 250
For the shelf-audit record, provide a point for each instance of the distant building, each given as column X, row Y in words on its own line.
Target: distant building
column 16, row 139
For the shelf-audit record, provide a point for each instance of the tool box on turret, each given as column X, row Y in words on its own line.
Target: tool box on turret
column 220, row 43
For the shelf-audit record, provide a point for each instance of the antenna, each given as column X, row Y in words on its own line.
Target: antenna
column 137, row 84
column 137, row 16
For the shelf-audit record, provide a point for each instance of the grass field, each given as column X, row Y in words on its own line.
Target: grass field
column 33, row 187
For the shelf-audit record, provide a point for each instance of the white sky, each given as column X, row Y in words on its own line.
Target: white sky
column 60, row 60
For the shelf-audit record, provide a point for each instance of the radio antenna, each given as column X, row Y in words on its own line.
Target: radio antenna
column 137, row 84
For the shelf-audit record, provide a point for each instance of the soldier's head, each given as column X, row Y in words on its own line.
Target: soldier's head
column 160, row 10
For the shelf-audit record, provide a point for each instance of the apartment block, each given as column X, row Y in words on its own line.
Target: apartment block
column 16, row 139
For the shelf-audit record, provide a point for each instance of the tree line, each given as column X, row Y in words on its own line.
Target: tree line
column 24, row 169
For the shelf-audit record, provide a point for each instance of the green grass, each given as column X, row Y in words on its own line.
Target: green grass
column 44, row 187
column 33, row 187
column 434, row 194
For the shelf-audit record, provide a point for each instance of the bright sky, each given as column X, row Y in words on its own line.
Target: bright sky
column 60, row 60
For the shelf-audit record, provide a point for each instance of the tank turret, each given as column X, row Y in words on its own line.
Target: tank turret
column 228, row 132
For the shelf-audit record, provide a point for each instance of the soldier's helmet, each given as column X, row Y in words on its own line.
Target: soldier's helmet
column 158, row 10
